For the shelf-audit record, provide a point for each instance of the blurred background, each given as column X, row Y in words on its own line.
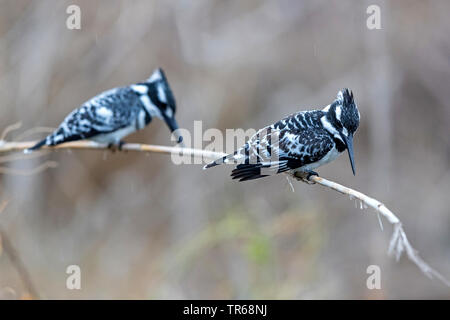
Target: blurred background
column 141, row 227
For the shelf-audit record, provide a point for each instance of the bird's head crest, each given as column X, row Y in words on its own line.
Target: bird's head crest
column 346, row 111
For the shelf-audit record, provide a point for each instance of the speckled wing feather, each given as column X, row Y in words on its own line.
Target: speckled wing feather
column 290, row 143
column 112, row 110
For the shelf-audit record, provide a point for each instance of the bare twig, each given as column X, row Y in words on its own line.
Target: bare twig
column 399, row 242
column 3, row 205
column 16, row 261
column 10, row 128
column 33, row 131
column 18, row 146
column 28, row 172
column 19, row 156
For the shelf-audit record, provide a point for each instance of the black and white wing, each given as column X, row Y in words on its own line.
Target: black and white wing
column 290, row 143
column 108, row 112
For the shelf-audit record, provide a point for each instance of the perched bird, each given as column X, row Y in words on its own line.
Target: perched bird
column 298, row 143
column 114, row 114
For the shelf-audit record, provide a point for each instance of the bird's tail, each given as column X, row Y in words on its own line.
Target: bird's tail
column 36, row 146
column 236, row 157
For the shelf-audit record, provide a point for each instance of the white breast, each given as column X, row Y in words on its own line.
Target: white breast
column 330, row 156
column 114, row 137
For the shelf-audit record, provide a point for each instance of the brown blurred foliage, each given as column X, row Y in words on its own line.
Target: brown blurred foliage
column 141, row 227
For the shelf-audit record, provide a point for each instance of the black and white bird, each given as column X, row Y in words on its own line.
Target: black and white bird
column 298, row 143
column 116, row 113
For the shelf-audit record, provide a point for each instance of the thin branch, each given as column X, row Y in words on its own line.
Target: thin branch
column 16, row 261
column 6, row 146
column 28, row 172
column 19, row 156
column 353, row 194
column 33, row 131
column 10, row 128
column 399, row 242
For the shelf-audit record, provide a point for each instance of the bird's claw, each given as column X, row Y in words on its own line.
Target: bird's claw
column 304, row 176
column 120, row 146
column 116, row 146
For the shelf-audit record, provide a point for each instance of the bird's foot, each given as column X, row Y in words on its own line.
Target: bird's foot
column 116, row 146
column 112, row 147
column 120, row 145
column 304, row 176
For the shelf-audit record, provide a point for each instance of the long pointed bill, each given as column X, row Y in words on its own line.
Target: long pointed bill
column 173, row 125
column 349, row 143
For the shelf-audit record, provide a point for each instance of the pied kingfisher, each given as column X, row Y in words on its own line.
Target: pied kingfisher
column 298, row 143
column 114, row 114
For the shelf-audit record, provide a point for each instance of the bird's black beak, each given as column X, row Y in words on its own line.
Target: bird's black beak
column 173, row 125
column 349, row 142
